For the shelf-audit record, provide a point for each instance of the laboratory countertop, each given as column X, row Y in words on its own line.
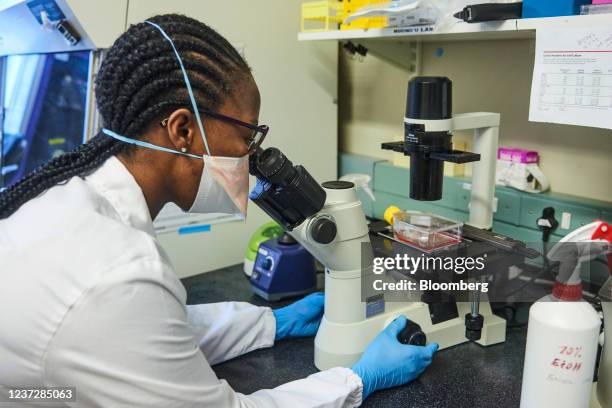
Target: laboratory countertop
column 467, row 375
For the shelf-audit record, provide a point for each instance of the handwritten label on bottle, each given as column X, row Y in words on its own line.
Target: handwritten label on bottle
column 568, row 358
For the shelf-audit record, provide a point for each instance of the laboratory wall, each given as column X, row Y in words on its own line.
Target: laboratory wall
column 298, row 86
column 487, row 76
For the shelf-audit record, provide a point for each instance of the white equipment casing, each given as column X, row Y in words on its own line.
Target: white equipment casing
column 345, row 331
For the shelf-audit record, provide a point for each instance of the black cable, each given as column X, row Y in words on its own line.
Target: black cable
column 547, row 224
column 594, row 300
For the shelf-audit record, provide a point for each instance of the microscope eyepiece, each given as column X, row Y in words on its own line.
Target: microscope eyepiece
column 294, row 194
column 275, row 166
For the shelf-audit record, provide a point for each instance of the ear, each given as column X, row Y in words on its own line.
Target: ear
column 181, row 129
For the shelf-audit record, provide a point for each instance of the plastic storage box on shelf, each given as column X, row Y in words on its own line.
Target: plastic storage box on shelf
column 552, row 8
column 324, row 15
column 426, row 231
column 351, row 6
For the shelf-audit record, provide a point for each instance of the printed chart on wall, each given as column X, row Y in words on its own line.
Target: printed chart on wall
column 572, row 77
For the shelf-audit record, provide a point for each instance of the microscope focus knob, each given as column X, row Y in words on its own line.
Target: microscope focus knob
column 412, row 334
column 473, row 326
column 323, row 230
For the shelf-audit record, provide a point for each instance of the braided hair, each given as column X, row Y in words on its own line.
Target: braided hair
column 139, row 82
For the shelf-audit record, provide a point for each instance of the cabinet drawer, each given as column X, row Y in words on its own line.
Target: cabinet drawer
column 391, row 179
column 530, row 237
column 396, row 180
column 384, row 200
column 508, row 207
column 463, row 195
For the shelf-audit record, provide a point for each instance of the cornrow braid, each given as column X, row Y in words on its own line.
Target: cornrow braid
column 139, row 82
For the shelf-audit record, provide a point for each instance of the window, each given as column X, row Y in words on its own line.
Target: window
column 44, row 103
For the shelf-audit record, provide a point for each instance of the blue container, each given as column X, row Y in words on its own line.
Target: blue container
column 552, row 8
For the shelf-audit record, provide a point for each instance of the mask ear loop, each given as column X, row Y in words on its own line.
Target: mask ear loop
column 196, row 111
column 148, row 145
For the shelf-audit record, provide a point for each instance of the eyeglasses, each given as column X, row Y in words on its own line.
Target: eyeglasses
column 258, row 132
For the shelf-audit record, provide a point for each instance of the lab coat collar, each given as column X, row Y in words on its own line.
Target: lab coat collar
column 115, row 183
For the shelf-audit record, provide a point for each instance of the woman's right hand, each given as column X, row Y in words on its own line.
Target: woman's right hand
column 388, row 363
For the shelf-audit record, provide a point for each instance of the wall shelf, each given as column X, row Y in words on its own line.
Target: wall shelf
column 499, row 30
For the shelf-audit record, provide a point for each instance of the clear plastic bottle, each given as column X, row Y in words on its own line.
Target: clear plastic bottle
column 560, row 357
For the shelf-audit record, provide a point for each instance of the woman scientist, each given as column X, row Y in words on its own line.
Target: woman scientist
column 89, row 299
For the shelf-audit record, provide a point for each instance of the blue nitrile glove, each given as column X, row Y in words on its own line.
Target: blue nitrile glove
column 300, row 319
column 387, row 363
column 260, row 187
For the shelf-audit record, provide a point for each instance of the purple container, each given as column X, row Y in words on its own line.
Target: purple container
column 517, row 155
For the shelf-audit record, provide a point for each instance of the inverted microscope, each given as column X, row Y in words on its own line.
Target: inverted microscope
column 328, row 220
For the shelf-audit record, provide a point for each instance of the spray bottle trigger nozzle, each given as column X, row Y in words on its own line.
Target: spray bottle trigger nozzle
column 361, row 181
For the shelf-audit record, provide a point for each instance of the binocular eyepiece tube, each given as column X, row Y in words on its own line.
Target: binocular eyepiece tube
column 293, row 194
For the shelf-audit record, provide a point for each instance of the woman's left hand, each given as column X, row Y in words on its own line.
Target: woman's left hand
column 300, row 319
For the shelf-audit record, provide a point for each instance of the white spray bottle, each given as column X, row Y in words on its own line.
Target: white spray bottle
column 563, row 330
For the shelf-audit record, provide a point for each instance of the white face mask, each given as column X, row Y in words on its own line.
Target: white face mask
column 224, row 184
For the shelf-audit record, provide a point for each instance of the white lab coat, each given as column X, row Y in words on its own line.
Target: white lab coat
column 88, row 299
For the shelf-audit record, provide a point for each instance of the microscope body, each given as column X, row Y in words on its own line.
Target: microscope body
column 328, row 220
